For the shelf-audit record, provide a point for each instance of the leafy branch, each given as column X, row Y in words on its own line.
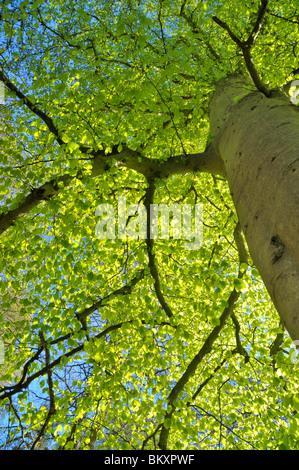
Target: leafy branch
column 247, row 45
column 189, row 18
column 208, row 344
column 9, row 391
column 23, row 383
column 33, row 107
column 193, row 365
column 227, row 427
column 149, row 200
column 207, row 161
column 51, row 410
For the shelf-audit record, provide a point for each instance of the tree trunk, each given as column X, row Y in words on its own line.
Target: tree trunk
column 257, row 139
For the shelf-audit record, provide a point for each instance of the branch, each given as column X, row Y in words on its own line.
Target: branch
column 227, row 28
column 207, row 161
column 258, row 24
column 54, row 32
column 246, row 46
column 260, row 85
column 33, row 108
column 276, row 346
column 150, row 436
column 124, row 290
column 41, row 114
column 239, row 240
column 206, row 381
column 191, row 369
column 290, row 20
column 227, row 427
column 10, row 390
column 240, row 348
column 37, row 195
column 51, row 410
column 208, row 344
column 149, row 200
column 197, row 30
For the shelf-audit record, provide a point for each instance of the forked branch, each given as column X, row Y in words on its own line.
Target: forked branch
column 247, row 45
column 207, row 161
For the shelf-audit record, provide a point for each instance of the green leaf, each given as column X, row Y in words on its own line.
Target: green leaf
column 83, row 81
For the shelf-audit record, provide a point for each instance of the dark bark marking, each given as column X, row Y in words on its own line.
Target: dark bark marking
column 279, row 248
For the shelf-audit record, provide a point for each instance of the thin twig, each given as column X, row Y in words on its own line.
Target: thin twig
column 52, row 409
column 227, row 427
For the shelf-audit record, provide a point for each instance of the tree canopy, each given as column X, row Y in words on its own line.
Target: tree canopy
column 128, row 342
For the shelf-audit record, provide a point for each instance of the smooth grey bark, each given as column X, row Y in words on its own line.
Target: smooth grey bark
column 258, row 141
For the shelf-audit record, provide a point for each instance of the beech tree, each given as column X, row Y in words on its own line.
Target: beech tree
column 145, row 342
